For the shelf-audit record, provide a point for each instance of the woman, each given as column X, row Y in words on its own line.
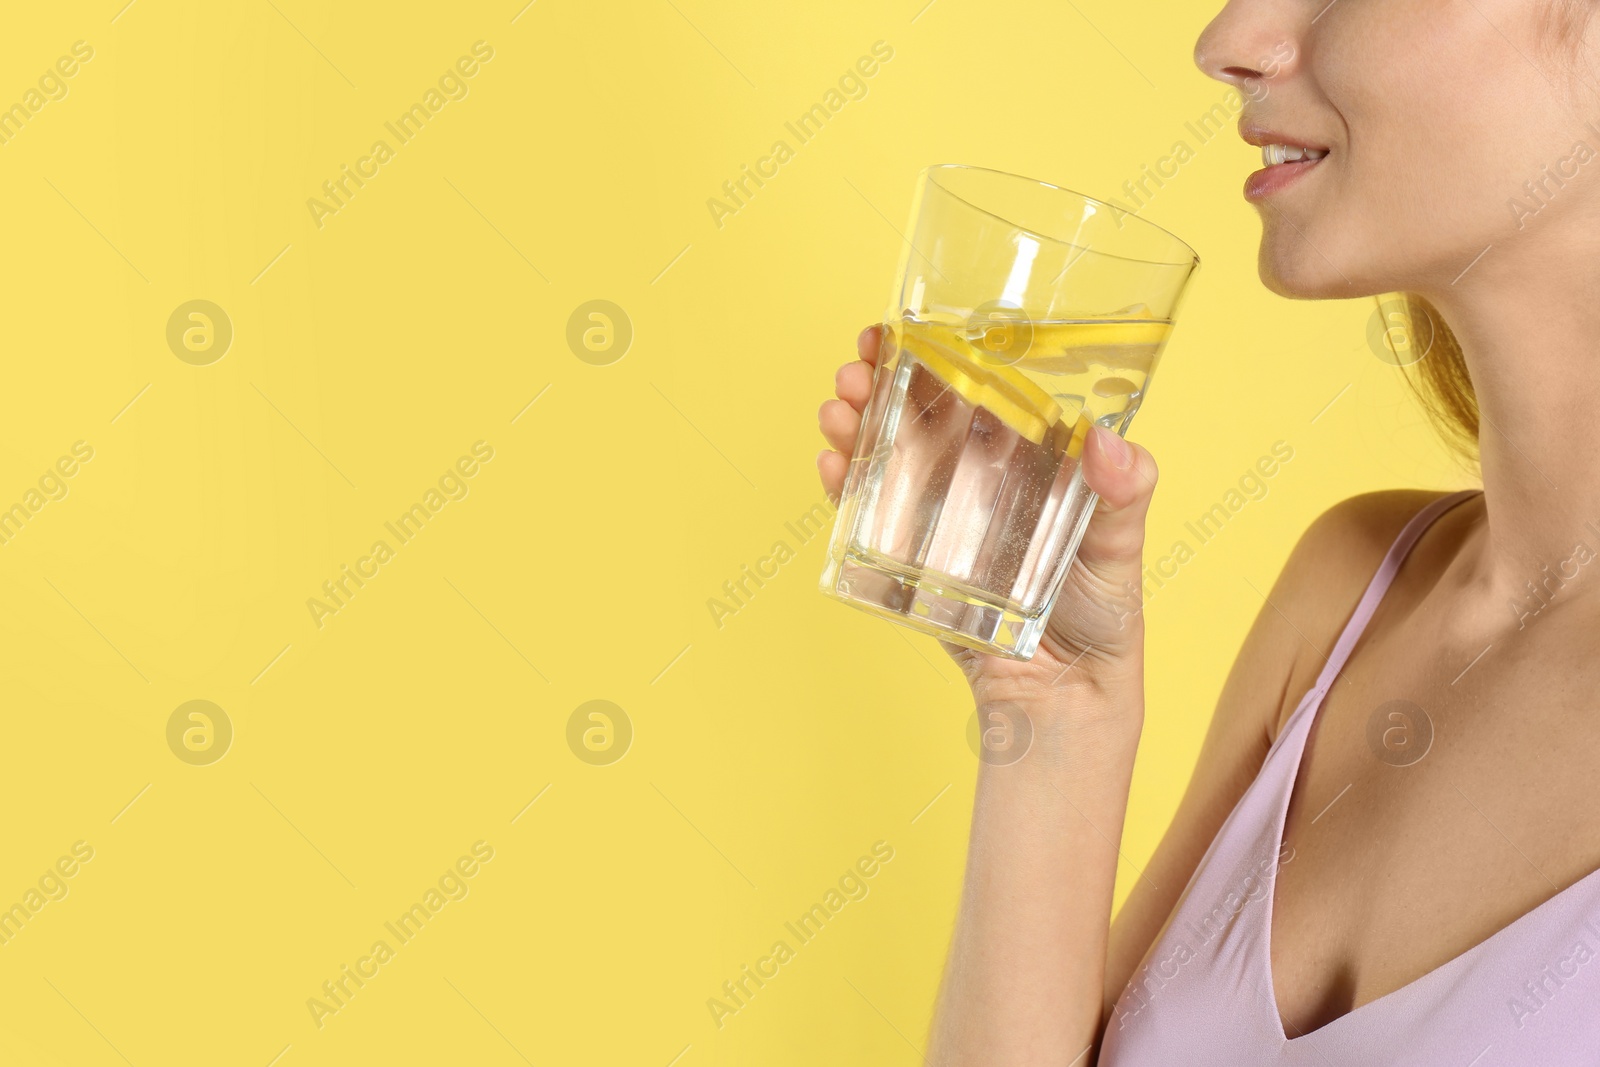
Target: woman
column 1317, row 899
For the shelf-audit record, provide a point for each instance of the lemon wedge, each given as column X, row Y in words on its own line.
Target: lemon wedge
column 1006, row 392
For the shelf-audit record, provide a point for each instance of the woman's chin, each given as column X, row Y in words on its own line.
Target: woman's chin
column 1301, row 274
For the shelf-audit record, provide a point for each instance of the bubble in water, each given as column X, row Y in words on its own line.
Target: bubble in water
column 1115, row 387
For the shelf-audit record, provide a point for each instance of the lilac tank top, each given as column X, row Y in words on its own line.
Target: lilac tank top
column 1203, row 997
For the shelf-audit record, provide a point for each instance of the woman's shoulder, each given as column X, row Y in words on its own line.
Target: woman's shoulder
column 1350, row 538
column 1354, row 528
column 1330, row 566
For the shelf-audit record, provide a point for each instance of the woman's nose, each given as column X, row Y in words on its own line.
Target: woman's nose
column 1249, row 40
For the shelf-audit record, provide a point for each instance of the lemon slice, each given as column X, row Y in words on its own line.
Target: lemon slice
column 1080, row 434
column 1071, row 347
column 1007, row 393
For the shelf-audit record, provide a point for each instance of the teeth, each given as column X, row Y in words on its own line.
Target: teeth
column 1272, row 154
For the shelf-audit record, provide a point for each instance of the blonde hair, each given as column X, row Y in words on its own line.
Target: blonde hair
column 1440, row 379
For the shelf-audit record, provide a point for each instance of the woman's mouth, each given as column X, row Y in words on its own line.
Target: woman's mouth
column 1285, row 164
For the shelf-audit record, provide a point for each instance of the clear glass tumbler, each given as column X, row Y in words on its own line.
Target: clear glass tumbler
column 1022, row 313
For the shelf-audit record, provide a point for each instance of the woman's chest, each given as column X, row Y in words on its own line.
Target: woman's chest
column 1436, row 802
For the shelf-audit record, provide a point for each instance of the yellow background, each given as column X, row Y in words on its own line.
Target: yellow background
column 769, row 753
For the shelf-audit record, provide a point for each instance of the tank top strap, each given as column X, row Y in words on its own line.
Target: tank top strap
column 1380, row 581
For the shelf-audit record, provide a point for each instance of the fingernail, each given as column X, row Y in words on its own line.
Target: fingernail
column 1121, row 455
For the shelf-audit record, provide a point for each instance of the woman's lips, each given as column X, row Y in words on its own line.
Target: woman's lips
column 1268, row 180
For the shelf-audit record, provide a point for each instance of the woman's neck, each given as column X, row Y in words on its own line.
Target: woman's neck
column 1529, row 336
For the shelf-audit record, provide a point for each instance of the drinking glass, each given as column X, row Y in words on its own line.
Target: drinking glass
column 1022, row 313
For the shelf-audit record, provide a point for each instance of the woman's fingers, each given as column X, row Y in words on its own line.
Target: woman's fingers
column 832, row 467
column 853, row 383
column 869, row 342
column 839, row 423
column 840, row 420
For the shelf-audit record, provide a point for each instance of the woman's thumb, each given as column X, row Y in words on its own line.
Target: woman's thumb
column 1124, row 475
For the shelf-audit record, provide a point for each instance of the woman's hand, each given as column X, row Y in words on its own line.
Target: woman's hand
column 1095, row 637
